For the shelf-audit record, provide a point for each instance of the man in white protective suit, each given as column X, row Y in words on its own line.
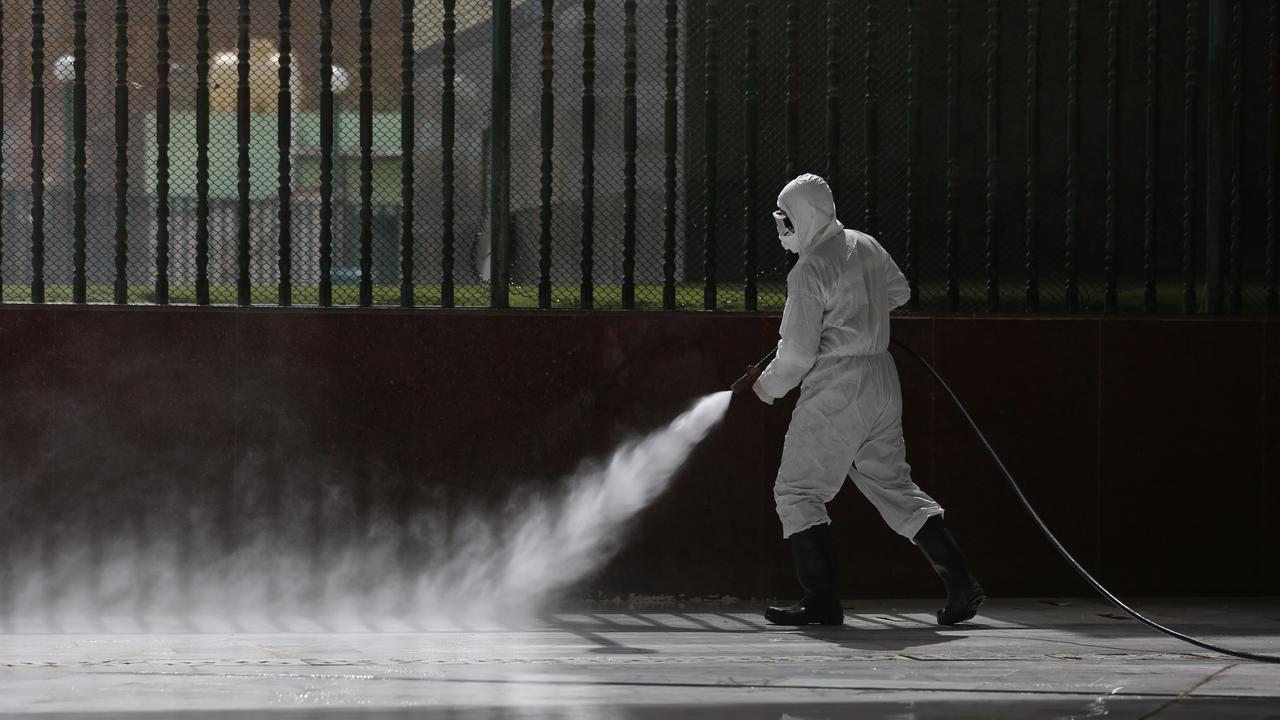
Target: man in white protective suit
column 848, row 420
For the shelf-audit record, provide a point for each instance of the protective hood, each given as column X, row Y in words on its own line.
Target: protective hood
column 807, row 201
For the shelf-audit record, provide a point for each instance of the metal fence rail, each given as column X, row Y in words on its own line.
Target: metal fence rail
column 544, row 153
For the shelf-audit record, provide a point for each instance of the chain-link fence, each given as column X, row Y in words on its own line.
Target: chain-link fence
column 1014, row 156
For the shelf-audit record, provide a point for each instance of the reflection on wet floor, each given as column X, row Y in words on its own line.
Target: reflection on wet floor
column 1019, row 659
column 909, row 708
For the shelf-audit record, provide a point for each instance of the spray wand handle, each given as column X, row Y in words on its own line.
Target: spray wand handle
column 744, row 383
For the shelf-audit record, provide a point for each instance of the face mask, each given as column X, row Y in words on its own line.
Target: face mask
column 786, row 231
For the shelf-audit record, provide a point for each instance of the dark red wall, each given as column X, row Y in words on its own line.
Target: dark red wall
column 1150, row 445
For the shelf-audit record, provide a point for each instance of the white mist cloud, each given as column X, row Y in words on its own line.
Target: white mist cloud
column 477, row 569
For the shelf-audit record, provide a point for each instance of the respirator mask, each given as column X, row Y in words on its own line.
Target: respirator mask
column 786, row 231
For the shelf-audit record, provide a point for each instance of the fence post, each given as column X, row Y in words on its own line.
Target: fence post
column 832, row 171
column 407, row 142
column 1273, row 156
column 750, row 146
column 447, row 118
column 993, row 155
column 79, row 292
column 1070, row 259
column 284, row 145
column 37, row 151
column 202, row 152
column 1149, row 258
column 710, row 148
column 500, row 156
column 1216, row 167
column 1032, row 228
column 3, row 203
column 326, row 153
column 1190, row 157
column 588, row 150
column 546, row 139
column 629, row 163
column 1235, row 147
column 1110, row 269
column 793, row 88
column 122, row 151
column 366, row 153
column 953, row 151
column 871, row 181
column 913, row 152
column 669, row 152
column 243, row 283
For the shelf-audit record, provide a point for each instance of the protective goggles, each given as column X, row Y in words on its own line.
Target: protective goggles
column 784, row 223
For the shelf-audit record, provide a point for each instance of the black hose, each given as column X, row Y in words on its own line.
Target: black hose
column 1058, row 545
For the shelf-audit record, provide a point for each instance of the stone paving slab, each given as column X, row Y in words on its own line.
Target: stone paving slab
column 1019, row 658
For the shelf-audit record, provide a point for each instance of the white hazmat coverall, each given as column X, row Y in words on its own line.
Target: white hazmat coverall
column 835, row 340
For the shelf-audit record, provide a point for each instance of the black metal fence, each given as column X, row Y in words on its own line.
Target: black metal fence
column 1014, row 155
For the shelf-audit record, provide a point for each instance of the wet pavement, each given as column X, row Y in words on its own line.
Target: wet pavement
column 1028, row 658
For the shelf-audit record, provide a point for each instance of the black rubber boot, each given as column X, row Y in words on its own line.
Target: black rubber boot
column 964, row 594
column 814, row 554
